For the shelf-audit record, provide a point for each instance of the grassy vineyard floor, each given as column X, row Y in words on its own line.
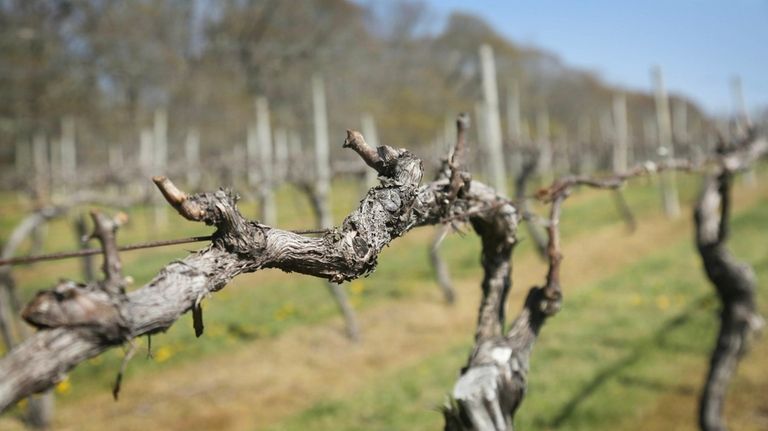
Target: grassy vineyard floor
column 241, row 375
column 629, row 347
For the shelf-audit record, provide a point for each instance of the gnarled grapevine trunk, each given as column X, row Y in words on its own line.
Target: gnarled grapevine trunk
column 735, row 284
column 389, row 210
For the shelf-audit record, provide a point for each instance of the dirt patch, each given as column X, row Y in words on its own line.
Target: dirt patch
column 268, row 380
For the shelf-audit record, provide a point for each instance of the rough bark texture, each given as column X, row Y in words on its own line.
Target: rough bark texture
column 319, row 198
column 40, row 408
column 389, row 210
column 80, row 321
column 493, row 384
column 735, row 284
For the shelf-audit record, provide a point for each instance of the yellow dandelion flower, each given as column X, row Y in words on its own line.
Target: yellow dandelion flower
column 662, row 302
column 163, row 354
column 64, row 387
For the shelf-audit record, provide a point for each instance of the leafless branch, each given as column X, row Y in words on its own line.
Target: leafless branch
column 80, row 321
column 734, row 282
column 492, row 385
column 521, row 182
column 459, row 177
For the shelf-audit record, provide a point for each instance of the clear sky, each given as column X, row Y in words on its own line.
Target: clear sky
column 699, row 44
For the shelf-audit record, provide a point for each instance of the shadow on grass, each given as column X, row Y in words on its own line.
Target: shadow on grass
column 656, row 386
column 656, row 341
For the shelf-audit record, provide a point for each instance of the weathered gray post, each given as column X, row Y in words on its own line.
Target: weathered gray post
column 264, row 142
column 607, row 137
column 192, row 158
column 584, row 139
column 160, row 165
column 41, row 165
column 743, row 122
column 296, row 153
column 146, row 151
column 372, row 136
column 322, row 189
column 621, row 135
column 493, row 144
column 680, row 123
column 322, row 152
column 22, row 160
column 68, row 166
column 514, row 128
column 146, row 156
column 650, row 137
column 281, row 155
column 544, row 144
column 739, row 103
column 475, row 163
column 666, row 147
column 160, row 139
column 252, row 155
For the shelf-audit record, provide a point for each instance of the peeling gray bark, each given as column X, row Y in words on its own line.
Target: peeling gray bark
column 85, row 320
column 735, row 284
column 349, row 251
column 39, row 412
column 492, row 385
column 321, row 209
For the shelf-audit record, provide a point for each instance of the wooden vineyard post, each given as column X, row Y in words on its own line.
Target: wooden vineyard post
column 492, row 121
column 621, row 135
column 265, row 167
column 321, row 196
column 371, row 134
column 742, row 121
column 160, row 141
column 670, row 199
column 192, row 157
column 514, row 128
column 545, row 145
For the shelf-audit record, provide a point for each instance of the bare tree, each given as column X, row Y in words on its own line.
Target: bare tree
column 734, row 282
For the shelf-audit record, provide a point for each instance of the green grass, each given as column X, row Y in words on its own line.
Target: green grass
column 638, row 329
column 268, row 303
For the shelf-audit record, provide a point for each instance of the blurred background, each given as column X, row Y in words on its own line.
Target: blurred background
column 97, row 96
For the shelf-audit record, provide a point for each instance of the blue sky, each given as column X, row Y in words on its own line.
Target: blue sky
column 700, row 44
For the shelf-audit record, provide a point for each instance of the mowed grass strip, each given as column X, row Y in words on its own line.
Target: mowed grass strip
column 618, row 346
column 263, row 305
